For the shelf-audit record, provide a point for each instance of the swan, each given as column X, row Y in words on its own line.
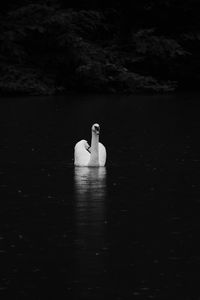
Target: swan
column 94, row 156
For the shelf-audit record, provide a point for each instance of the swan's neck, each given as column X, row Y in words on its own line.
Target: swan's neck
column 94, row 157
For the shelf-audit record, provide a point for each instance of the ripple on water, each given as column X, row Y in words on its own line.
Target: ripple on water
column 3, row 287
column 2, row 251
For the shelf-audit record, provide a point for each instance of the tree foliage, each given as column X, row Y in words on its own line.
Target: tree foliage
column 48, row 47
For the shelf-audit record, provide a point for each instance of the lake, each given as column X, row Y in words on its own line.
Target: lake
column 129, row 230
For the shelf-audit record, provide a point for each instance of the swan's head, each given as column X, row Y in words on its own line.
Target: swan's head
column 96, row 128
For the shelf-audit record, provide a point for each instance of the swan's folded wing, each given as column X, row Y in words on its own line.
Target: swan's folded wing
column 81, row 155
column 102, row 155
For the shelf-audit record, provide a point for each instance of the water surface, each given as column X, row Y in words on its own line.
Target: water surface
column 126, row 231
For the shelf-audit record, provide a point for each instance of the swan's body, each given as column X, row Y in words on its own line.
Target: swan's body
column 94, row 156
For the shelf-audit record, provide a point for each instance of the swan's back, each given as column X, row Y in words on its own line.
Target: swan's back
column 102, row 155
column 81, row 155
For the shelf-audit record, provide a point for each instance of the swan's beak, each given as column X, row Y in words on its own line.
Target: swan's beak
column 97, row 129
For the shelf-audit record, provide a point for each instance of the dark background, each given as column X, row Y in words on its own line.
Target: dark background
column 51, row 47
column 133, row 233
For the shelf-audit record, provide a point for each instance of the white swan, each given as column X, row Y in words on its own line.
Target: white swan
column 94, row 156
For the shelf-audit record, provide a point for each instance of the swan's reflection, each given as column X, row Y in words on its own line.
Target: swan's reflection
column 90, row 194
column 90, row 183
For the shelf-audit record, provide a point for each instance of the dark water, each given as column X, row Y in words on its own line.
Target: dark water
column 127, row 231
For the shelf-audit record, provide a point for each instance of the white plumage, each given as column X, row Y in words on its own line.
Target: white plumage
column 94, row 156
